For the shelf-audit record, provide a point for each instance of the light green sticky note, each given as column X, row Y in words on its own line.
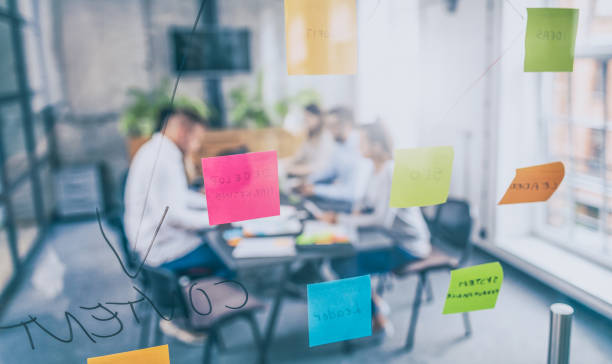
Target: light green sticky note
column 474, row 288
column 550, row 39
column 421, row 176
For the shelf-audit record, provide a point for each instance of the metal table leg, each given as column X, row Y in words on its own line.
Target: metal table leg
column 271, row 324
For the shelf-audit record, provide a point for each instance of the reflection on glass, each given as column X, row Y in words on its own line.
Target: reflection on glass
column 13, row 140
column 24, row 217
column 6, row 264
column 8, row 75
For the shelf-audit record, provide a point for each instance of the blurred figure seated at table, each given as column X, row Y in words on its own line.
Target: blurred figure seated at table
column 157, row 179
column 316, row 149
column 407, row 226
column 337, row 185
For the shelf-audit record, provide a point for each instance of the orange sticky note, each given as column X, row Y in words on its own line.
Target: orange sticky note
column 321, row 36
column 154, row 355
column 534, row 184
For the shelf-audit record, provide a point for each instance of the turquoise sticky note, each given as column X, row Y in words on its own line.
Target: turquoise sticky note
column 339, row 310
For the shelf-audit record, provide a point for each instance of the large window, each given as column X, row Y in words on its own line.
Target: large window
column 25, row 198
column 576, row 115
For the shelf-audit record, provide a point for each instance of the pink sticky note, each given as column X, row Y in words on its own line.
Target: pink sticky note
column 241, row 187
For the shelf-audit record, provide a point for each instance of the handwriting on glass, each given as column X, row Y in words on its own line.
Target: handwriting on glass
column 110, row 315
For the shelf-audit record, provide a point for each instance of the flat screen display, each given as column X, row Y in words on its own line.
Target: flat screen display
column 212, row 50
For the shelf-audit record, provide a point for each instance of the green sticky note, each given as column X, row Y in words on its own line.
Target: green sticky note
column 474, row 288
column 550, row 39
column 421, row 176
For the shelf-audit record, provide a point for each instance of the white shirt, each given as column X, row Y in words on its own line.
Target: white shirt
column 169, row 187
column 405, row 221
column 347, row 168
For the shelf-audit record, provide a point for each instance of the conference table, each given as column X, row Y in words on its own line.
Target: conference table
column 366, row 240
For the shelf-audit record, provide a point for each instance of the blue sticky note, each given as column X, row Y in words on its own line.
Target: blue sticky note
column 339, row 310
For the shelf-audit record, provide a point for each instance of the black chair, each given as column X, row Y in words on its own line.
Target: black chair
column 200, row 306
column 452, row 223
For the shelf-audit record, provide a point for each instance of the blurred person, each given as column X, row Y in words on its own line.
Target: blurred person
column 316, row 149
column 339, row 180
column 407, row 225
column 158, row 171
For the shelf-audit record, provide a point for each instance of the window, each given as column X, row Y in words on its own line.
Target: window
column 26, row 199
column 576, row 114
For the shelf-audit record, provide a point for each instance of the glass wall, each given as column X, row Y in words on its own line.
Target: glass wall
column 26, row 201
column 577, row 117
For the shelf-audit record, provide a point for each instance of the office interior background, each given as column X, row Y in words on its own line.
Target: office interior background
column 437, row 72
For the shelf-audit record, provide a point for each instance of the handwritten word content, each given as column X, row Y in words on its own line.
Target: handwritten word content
column 534, row 184
column 321, row 37
column 339, row 310
column 474, row 288
column 154, row 355
column 550, row 39
column 421, row 176
column 105, row 312
column 241, row 187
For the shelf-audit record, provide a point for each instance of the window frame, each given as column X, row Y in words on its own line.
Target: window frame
column 600, row 251
column 23, row 96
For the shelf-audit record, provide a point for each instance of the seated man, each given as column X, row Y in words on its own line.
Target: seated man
column 157, row 179
column 341, row 180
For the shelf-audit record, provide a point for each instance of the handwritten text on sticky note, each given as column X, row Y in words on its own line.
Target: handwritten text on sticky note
column 550, row 39
column 534, row 184
column 339, row 310
column 421, row 176
column 321, row 36
column 241, row 187
column 474, row 288
column 154, row 355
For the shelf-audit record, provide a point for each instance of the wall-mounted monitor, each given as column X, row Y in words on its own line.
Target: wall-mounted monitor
column 214, row 50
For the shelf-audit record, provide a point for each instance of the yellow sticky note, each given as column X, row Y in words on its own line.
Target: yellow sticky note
column 474, row 288
column 534, row 184
column 421, row 176
column 154, row 355
column 321, row 37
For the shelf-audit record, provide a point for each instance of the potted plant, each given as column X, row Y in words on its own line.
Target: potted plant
column 138, row 120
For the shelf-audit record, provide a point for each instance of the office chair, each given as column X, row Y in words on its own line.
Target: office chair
column 452, row 223
column 201, row 306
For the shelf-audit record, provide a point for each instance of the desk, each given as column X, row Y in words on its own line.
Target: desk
column 368, row 239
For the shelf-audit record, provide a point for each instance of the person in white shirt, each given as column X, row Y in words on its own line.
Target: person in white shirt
column 157, row 179
column 316, row 149
column 339, row 181
column 407, row 225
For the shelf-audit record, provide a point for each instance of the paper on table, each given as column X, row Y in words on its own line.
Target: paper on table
column 534, row 184
column 421, row 176
column 264, row 248
column 241, row 187
column 339, row 310
column 474, row 288
column 154, row 355
column 550, row 39
column 321, row 36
